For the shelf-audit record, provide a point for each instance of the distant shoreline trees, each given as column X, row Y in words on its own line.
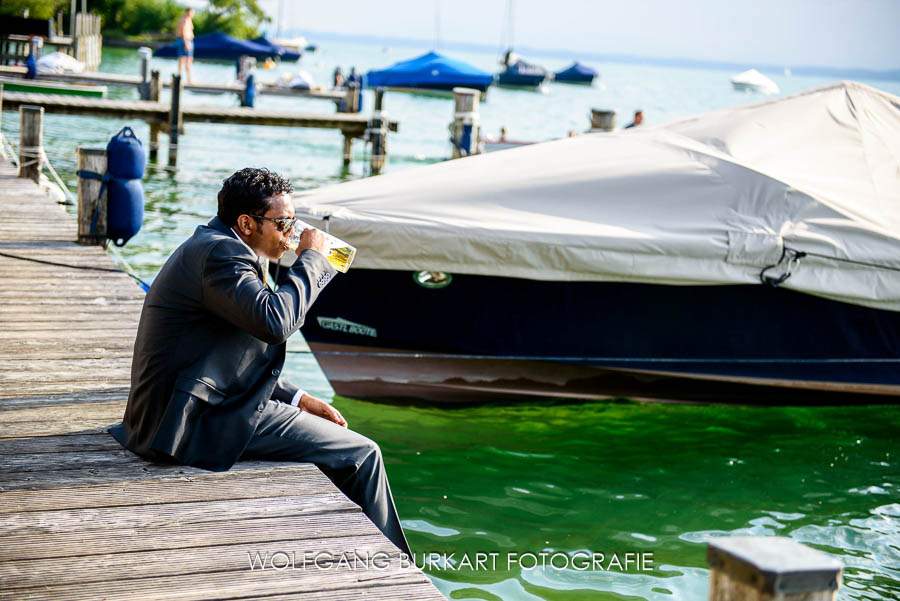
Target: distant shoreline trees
column 153, row 18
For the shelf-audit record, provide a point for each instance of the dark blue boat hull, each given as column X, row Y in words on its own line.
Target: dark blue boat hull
column 520, row 80
column 491, row 337
column 575, row 78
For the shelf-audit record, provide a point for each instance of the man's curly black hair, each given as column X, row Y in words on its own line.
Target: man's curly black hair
column 250, row 191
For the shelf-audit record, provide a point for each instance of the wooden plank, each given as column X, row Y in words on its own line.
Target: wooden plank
column 90, row 411
column 204, row 487
column 420, row 591
column 215, row 585
column 114, row 473
column 181, row 536
column 86, row 386
column 170, row 514
column 43, row 462
column 56, row 366
column 76, row 353
column 26, row 401
column 108, row 567
column 57, row 444
column 28, row 429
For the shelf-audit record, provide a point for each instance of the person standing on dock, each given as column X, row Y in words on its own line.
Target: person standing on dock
column 337, row 81
column 207, row 387
column 185, row 43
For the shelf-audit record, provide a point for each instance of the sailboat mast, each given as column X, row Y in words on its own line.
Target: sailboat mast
column 437, row 24
column 512, row 7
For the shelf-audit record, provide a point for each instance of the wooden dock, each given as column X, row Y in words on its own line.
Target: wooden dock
column 82, row 518
column 134, row 81
column 350, row 124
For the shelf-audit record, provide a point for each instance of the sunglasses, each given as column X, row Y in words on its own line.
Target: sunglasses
column 283, row 225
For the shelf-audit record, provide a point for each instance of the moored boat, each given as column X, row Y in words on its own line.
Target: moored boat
column 17, row 84
column 680, row 262
column 577, row 74
column 220, row 46
column 754, row 81
column 519, row 73
column 429, row 73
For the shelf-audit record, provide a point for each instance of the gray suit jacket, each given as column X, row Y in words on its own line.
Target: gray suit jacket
column 210, row 349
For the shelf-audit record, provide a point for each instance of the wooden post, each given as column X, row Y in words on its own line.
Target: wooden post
column 31, row 133
column 377, row 133
column 145, row 53
column 91, row 159
column 351, row 102
column 36, row 47
column 348, row 149
column 770, row 568
column 153, row 89
column 466, row 122
column 155, row 126
column 175, row 116
column 603, row 120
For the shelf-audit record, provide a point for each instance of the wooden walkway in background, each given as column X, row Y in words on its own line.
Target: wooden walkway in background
column 350, row 124
column 120, row 79
column 82, row 518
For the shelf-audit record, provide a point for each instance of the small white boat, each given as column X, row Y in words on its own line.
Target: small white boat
column 493, row 145
column 754, row 81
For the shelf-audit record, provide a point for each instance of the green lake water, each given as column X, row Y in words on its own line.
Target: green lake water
column 617, row 478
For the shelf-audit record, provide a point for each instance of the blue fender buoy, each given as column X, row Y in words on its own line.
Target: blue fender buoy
column 126, row 160
column 125, row 212
column 31, row 67
column 249, row 97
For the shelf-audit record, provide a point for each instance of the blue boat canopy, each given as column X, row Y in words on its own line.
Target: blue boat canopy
column 578, row 71
column 222, row 47
column 430, row 71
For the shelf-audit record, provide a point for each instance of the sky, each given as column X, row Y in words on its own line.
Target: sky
column 833, row 33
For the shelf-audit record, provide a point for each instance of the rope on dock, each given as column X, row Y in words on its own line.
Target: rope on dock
column 7, row 150
column 59, row 181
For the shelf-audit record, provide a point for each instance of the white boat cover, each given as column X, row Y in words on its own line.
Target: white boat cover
column 708, row 200
column 755, row 80
column 57, row 62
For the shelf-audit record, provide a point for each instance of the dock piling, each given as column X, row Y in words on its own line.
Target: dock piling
column 144, row 89
column 770, row 568
column 603, row 120
column 92, row 207
column 348, row 148
column 377, row 134
column 351, row 102
column 31, row 134
column 154, row 140
column 175, row 119
column 154, row 86
column 466, row 126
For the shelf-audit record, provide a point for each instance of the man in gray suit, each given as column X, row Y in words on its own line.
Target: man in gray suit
column 206, row 385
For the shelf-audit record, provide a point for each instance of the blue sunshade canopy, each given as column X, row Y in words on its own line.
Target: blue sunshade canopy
column 430, row 71
column 222, row 47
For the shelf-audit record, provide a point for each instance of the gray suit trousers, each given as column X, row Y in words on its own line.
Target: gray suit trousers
column 350, row 460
